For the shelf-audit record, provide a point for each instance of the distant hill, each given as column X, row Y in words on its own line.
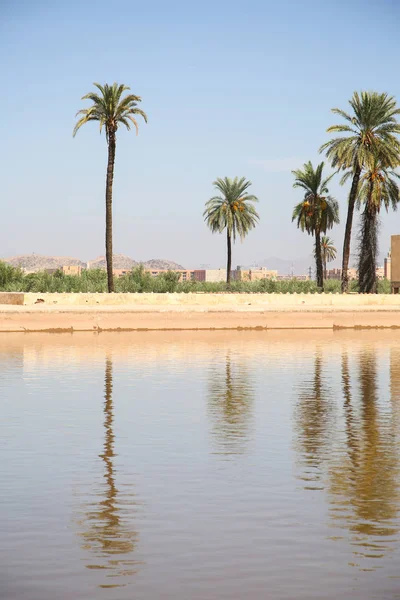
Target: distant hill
column 159, row 263
column 37, row 262
column 120, row 261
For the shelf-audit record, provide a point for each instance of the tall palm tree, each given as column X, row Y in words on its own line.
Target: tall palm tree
column 318, row 211
column 371, row 128
column 110, row 109
column 233, row 211
column 378, row 187
column 328, row 252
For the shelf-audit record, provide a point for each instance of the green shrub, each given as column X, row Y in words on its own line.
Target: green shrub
column 13, row 279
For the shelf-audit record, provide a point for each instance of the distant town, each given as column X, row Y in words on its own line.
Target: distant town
column 35, row 263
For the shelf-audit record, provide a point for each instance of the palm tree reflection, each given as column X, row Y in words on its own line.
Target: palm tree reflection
column 230, row 402
column 364, row 487
column 313, row 420
column 107, row 533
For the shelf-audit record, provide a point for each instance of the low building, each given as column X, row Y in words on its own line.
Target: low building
column 337, row 274
column 395, row 264
column 253, row 274
column 216, row 275
column 295, row 277
column 199, row 274
column 72, row 270
column 184, row 274
column 120, row 272
column 263, row 273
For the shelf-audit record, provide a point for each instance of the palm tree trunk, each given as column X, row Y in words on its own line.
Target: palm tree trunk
column 229, row 261
column 368, row 251
column 349, row 224
column 325, row 269
column 109, row 186
column 318, row 259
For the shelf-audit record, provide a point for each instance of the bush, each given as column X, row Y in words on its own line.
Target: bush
column 13, row 279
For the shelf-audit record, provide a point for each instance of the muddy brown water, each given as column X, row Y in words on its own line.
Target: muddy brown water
column 200, row 465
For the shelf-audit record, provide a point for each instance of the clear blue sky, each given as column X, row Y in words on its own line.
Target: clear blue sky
column 230, row 88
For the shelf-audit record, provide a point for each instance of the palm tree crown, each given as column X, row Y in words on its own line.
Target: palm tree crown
column 109, row 109
column 328, row 249
column 371, row 129
column 318, row 210
column 233, row 210
column 378, row 187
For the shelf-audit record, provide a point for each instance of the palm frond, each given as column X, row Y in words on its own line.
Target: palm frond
column 110, row 108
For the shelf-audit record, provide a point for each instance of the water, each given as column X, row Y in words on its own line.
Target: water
column 201, row 465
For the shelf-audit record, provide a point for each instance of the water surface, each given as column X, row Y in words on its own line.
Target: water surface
column 201, row 465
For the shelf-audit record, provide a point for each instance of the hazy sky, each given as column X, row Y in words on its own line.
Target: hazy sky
column 230, row 88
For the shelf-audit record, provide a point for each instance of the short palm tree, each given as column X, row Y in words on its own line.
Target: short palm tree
column 318, row 211
column 370, row 128
column 378, row 187
column 111, row 110
column 233, row 211
column 328, row 252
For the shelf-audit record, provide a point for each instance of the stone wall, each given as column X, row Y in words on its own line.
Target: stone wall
column 217, row 300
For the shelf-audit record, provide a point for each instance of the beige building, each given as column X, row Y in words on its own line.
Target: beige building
column 395, row 264
column 263, row 273
column 293, row 277
column 120, row 272
column 337, row 274
column 216, row 275
column 72, row 270
column 184, row 274
column 253, row 274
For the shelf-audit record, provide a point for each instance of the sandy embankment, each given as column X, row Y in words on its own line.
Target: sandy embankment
column 113, row 312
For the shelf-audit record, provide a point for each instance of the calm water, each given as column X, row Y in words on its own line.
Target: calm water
column 200, row 466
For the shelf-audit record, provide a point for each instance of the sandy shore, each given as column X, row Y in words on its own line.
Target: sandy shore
column 53, row 318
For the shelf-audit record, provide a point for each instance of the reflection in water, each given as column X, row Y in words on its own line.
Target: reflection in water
column 395, row 378
column 106, row 527
column 230, row 401
column 356, row 453
column 364, row 487
column 314, row 414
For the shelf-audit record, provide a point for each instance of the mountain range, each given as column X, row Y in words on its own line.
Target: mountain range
column 38, row 262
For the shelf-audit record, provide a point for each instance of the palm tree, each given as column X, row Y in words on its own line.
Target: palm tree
column 328, row 252
column 318, row 211
column 377, row 187
column 232, row 211
column 372, row 128
column 110, row 109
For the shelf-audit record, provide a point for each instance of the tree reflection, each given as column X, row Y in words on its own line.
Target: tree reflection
column 230, row 403
column 364, row 487
column 313, row 419
column 106, row 524
column 395, row 377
